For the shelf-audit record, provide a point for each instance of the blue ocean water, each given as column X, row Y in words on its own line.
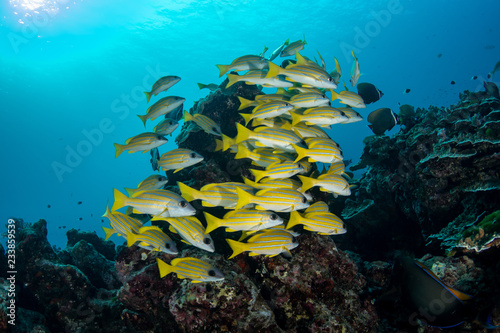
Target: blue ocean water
column 72, row 76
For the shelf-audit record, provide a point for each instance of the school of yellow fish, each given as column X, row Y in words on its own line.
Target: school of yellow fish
column 285, row 139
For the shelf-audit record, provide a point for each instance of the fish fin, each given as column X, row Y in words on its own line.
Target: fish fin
column 119, row 149
column 233, row 78
column 144, row 118
column 131, row 239
column 274, row 70
column 207, row 204
column 244, row 103
column 301, row 153
column 335, row 95
column 130, row 191
column 337, row 66
column 164, row 268
column 187, row 116
column 243, row 133
column 296, row 118
column 212, row 222
column 300, row 59
column 172, row 229
column 294, row 219
column 258, row 174
column 177, row 170
column 249, row 182
column 201, row 85
column 227, row 142
column 247, row 117
column 187, row 192
column 218, row 144
column 243, row 152
column 120, row 199
column 108, row 232
column 237, row 247
column 307, row 182
column 253, row 254
column 244, row 198
column 223, row 69
column 148, row 96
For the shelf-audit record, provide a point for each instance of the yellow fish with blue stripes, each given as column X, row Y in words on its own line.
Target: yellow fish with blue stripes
column 162, row 84
column 190, row 268
column 191, row 231
column 216, row 194
column 243, row 220
column 152, row 238
column 309, row 100
column 178, row 159
column 277, row 200
column 269, row 243
column 328, row 183
column 258, row 77
column 244, row 63
column 323, row 116
column 121, row 224
column 166, row 127
column 142, row 142
column 269, row 183
column 162, row 107
column 323, row 224
column 278, row 170
column 153, row 182
column 350, row 98
column 323, row 154
column 293, row 47
column 205, row 123
column 267, row 110
column 269, row 137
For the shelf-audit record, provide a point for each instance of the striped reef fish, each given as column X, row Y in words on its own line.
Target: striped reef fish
column 309, row 100
column 178, row 159
column 153, row 182
column 142, row 142
column 349, row 98
column 258, row 77
column 277, row 52
column 267, row 110
column 305, row 74
column 206, row 124
column 351, row 114
column 162, row 84
column 323, row 224
column 152, row 238
column 162, row 107
column 277, row 200
column 321, row 115
column 247, row 103
column 327, row 183
column 121, row 224
column 308, row 131
column 190, row 268
column 337, row 168
column 166, row 126
column 243, row 220
column 246, row 234
column 244, row 63
column 278, row 170
column 355, row 72
column 154, row 202
column 292, row 48
column 191, row 231
column 276, row 122
column 305, row 89
column 319, row 154
column 214, row 194
column 307, row 166
column 262, row 160
column 281, row 95
column 269, row 137
column 319, row 207
column 269, row 183
column 268, row 243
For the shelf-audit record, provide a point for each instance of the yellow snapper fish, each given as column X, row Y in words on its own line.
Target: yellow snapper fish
column 166, row 127
column 350, row 98
column 258, row 77
column 308, row 131
column 292, row 48
column 355, row 72
column 212, row 195
column 267, row 110
column 142, row 142
column 243, row 220
column 278, row 170
column 153, row 182
column 319, row 207
column 207, row 124
column 351, row 114
column 178, row 159
column 327, row 183
column 190, row 268
column 321, row 142
column 323, row 224
column 246, row 234
column 321, row 154
column 191, row 231
column 269, row 183
column 277, row 52
column 154, row 202
column 281, row 95
column 162, row 107
column 277, row 200
column 309, row 100
column 269, row 137
column 162, row 84
column 210, row 86
column 257, row 159
column 244, row 63
column 276, row 122
column 121, row 224
column 323, row 116
column 268, row 243
column 247, row 103
column 337, row 168
column 152, row 238
column 306, row 74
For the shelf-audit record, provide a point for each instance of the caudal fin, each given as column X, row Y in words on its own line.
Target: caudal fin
column 164, row 268
column 237, row 247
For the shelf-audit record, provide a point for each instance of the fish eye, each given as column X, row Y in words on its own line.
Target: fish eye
column 183, row 204
column 304, row 200
column 167, row 245
column 215, row 130
column 193, row 155
column 294, row 240
column 273, row 217
column 211, row 272
column 207, row 241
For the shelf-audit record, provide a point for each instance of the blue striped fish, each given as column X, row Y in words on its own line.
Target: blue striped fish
column 323, row 154
column 350, row 98
column 278, row 170
column 305, row 74
column 269, row 183
column 262, row 160
column 309, row 131
column 121, row 224
column 268, row 110
column 142, row 142
column 206, row 124
column 166, row 126
column 320, row 115
column 162, row 84
column 152, row 238
column 191, row 231
column 355, row 72
column 217, row 194
column 323, row 224
column 153, row 182
column 178, row 159
column 244, row 63
column 243, row 220
column 162, row 107
column 190, row 268
column 293, row 47
column 277, row 200
column 319, row 207
column 269, row 243
column 309, row 100
column 327, row 183
column 269, row 137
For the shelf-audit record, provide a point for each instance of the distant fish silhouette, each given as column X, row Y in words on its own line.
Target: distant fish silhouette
column 369, row 92
column 382, row 120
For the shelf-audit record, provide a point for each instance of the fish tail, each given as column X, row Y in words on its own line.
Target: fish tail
column 243, row 152
column 232, row 79
column 244, row 198
column 120, row 199
column 296, row 118
column 144, row 118
column 243, row 133
column 294, row 219
column 108, row 212
column 164, row 268
column 227, row 142
column 249, row 182
column 119, row 149
column 335, row 95
column 131, row 239
column 201, row 85
column 247, row 117
column 130, row 191
column 301, row 153
column 148, row 96
column 187, row 192
column 244, row 103
column 212, row 222
column 108, row 232
column 237, row 247
column 337, row 65
column 274, row 70
column 219, row 145
column 258, row 174
column 307, row 183
column 187, row 116
column 223, row 69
